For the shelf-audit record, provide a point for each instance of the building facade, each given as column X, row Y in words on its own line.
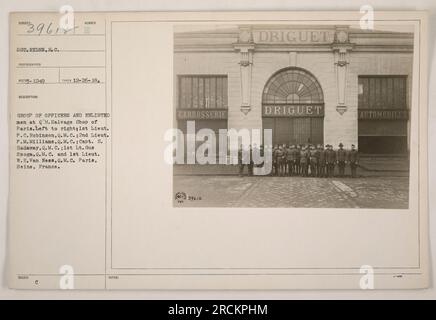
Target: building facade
column 309, row 84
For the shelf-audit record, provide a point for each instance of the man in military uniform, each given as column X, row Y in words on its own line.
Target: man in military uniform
column 253, row 150
column 242, row 159
column 284, row 164
column 353, row 158
column 297, row 159
column 304, row 161
column 289, row 164
column 268, row 149
column 295, row 155
column 280, row 161
column 261, row 154
column 321, row 161
column 330, row 158
column 313, row 160
column 274, row 156
column 341, row 159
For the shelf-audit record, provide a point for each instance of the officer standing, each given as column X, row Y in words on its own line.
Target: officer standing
column 285, row 151
column 274, row 156
column 241, row 158
column 280, row 160
column 253, row 150
column 304, row 159
column 261, row 154
column 353, row 157
column 269, row 150
column 313, row 160
column 297, row 159
column 294, row 156
column 289, row 165
column 341, row 159
column 321, row 161
column 330, row 158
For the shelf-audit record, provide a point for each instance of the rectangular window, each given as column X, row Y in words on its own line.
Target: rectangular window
column 202, row 92
column 382, row 103
column 382, row 92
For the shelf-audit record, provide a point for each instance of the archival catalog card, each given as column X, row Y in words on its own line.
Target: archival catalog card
column 224, row 150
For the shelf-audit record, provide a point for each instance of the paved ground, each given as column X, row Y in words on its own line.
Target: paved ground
column 376, row 166
column 234, row 191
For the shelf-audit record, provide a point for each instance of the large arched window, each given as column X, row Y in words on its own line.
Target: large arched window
column 293, row 107
column 292, row 86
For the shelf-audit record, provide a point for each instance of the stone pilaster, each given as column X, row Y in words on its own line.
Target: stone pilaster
column 245, row 47
column 341, row 48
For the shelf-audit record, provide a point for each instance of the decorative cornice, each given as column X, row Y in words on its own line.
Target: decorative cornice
column 300, row 48
column 342, row 38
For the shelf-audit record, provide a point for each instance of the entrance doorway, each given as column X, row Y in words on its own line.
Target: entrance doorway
column 383, row 114
column 293, row 107
column 295, row 130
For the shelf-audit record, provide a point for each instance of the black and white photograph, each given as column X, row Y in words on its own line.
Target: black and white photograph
column 259, row 153
column 283, row 115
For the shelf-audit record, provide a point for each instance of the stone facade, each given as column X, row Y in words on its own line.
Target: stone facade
column 336, row 56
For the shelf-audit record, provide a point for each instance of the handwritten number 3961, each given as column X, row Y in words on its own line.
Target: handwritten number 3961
column 45, row 28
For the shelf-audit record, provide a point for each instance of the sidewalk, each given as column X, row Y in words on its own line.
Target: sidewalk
column 369, row 166
column 384, row 163
column 291, row 192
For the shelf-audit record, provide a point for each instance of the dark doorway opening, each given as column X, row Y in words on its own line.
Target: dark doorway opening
column 383, row 144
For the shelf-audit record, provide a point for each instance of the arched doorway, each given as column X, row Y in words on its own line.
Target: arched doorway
column 293, row 107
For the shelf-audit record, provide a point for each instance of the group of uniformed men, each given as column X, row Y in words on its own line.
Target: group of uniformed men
column 307, row 160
